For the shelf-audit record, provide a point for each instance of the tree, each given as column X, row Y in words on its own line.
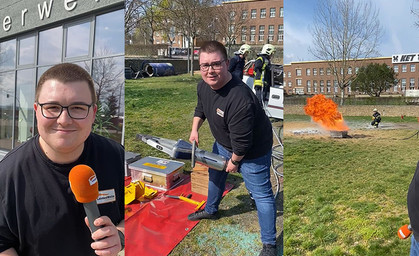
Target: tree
column 132, row 16
column 374, row 79
column 415, row 11
column 190, row 17
column 226, row 24
column 344, row 32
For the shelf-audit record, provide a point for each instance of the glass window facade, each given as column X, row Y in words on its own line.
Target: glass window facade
column 95, row 42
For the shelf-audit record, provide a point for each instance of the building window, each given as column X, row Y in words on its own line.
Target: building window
column 289, row 84
column 403, row 84
column 321, row 70
column 412, row 84
column 272, row 12
column 253, row 14
column 78, row 40
column 396, row 68
column 404, row 68
column 244, row 15
column 308, row 86
column 232, row 15
column 314, row 71
column 280, row 33
column 412, row 67
column 328, row 71
column 321, row 85
column 356, row 70
column 298, row 72
column 315, row 85
column 335, row 85
column 262, row 13
column 244, row 34
column 271, row 33
column 341, row 71
column 281, row 12
column 328, row 84
column 289, row 73
column 26, row 51
column 261, row 32
column 349, row 71
column 50, row 46
column 299, row 82
column 252, row 33
column 308, row 72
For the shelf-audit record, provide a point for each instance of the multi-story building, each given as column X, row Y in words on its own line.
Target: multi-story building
column 254, row 22
column 260, row 21
column 313, row 77
column 36, row 35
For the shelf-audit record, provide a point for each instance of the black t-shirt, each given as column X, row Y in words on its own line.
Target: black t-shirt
column 236, row 119
column 413, row 203
column 39, row 214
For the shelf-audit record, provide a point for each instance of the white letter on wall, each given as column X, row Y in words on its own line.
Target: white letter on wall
column 45, row 9
column 23, row 16
column 7, row 23
column 68, row 6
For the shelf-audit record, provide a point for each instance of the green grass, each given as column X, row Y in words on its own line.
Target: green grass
column 164, row 107
column 347, row 196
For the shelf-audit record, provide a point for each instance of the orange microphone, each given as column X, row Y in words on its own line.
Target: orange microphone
column 83, row 183
column 404, row 231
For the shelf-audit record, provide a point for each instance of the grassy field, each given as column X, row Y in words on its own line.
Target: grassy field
column 164, row 107
column 348, row 196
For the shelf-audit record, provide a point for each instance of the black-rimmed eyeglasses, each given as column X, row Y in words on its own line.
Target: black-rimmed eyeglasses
column 215, row 65
column 75, row 111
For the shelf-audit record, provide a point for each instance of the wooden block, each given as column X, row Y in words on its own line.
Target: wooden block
column 199, row 179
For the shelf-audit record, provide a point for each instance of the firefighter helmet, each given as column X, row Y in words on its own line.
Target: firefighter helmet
column 243, row 49
column 268, row 49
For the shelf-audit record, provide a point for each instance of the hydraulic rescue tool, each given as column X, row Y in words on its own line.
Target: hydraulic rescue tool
column 182, row 149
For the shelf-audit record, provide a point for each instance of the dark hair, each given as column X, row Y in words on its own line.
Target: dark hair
column 65, row 73
column 213, row 46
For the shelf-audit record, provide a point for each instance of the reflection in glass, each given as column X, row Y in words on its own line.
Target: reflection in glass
column 25, row 97
column 8, row 55
column 27, row 51
column 7, row 81
column 50, row 45
column 78, row 38
column 41, row 70
column 84, row 64
column 108, row 76
column 109, row 37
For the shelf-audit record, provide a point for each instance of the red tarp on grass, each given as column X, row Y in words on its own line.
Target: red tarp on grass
column 156, row 227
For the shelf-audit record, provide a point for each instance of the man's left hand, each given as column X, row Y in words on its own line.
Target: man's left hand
column 107, row 242
column 231, row 167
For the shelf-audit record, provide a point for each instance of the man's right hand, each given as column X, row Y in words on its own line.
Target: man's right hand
column 194, row 137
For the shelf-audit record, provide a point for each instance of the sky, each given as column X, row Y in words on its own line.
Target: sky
column 400, row 35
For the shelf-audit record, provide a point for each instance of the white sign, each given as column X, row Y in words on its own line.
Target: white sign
column 405, row 58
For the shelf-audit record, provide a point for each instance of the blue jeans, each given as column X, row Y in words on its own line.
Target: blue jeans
column 256, row 176
column 414, row 247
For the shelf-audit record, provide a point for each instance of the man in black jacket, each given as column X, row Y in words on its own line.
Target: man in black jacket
column 236, row 65
column 38, row 212
column 243, row 135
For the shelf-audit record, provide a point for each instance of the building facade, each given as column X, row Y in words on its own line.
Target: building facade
column 36, row 35
column 253, row 22
column 314, row 77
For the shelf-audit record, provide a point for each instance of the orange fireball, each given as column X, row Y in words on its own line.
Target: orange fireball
column 325, row 112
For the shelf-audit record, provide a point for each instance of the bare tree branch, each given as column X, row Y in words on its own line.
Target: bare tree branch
column 343, row 33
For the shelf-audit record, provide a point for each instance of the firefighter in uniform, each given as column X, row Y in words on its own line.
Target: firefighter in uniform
column 237, row 62
column 262, row 72
column 376, row 118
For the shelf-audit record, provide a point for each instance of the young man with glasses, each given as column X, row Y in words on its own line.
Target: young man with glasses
column 38, row 212
column 243, row 134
